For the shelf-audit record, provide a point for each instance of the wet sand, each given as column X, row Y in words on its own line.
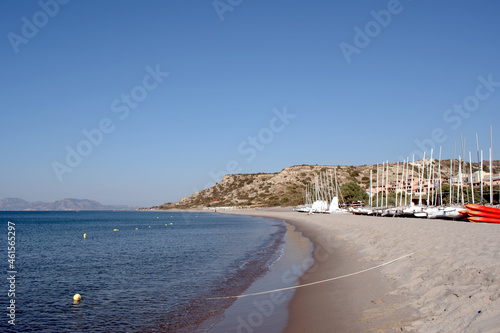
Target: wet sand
column 269, row 312
column 393, row 275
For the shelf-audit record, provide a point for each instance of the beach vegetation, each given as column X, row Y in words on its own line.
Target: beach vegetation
column 351, row 191
column 354, row 173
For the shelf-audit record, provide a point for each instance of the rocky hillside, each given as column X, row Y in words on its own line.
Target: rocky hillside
column 287, row 187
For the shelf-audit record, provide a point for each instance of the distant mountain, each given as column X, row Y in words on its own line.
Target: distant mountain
column 17, row 204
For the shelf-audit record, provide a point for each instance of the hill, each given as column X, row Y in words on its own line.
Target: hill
column 287, row 187
column 16, row 204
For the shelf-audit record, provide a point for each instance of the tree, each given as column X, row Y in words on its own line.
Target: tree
column 353, row 192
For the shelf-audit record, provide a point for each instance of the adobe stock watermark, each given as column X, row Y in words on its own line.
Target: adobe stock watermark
column 266, row 308
column 223, row 6
column 250, row 147
column 122, row 107
column 31, row 26
column 456, row 114
column 372, row 29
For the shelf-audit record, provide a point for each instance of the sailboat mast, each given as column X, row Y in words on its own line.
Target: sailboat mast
column 491, row 165
column 377, row 184
column 461, row 178
column 465, row 167
column 387, row 185
column 322, row 185
column 452, row 171
column 481, row 174
column 402, row 182
column 383, row 179
column 306, row 194
column 371, row 201
column 327, row 188
column 420, row 181
column 316, row 188
column 479, row 165
column 396, row 187
column 330, row 183
column 440, row 180
column 471, row 179
column 406, row 180
column 412, row 174
column 429, row 183
column 337, row 192
column 477, row 151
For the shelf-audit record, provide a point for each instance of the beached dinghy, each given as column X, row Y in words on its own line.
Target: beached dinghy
column 480, row 213
column 483, row 219
column 422, row 213
column 484, row 214
column 434, row 212
column 454, row 212
column 409, row 211
column 361, row 211
column 482, row 208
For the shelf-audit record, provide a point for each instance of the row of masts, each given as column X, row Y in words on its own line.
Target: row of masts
column 323, row 188
column 464, row 193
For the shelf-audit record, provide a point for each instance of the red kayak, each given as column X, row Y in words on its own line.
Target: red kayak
column 484, row 214
column 482, row 208
column 483, row 219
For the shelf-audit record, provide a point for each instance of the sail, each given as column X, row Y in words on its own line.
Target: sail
column 334, row 205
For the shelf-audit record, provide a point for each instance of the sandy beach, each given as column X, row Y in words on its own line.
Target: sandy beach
column 374, row 274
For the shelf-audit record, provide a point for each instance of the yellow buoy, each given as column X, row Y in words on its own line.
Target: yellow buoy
column 115, row 230
column 77, row 298
column 136, row 228
column 171, row 223
column 84, row 236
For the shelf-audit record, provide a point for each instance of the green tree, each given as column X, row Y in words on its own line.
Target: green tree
column 352, row 192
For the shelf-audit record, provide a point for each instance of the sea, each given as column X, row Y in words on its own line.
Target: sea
column 136, row 271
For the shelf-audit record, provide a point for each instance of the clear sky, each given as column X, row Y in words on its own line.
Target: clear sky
column 145, row 102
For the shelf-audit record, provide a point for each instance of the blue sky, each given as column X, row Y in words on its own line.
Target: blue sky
column 174, row 93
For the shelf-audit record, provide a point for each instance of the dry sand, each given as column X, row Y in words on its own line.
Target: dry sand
column 449, row 283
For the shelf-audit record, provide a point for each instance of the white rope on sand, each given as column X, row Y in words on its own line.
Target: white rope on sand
column 318, row 282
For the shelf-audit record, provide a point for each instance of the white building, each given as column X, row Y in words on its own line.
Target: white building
column 478, row 175
column 459, row 178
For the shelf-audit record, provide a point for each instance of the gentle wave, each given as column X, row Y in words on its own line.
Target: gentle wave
column 155, row 273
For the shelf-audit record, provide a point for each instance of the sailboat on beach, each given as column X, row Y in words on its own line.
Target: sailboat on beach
column 322, row 196
column 463, row 189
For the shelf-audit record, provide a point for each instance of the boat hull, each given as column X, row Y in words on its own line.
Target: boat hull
column 482, row 208
column 483, row 219
column 483, row 214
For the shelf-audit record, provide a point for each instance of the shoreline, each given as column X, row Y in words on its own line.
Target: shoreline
column 269, row 312
column 449, row 283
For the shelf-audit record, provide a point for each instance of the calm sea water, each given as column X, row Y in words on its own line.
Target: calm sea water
column 156, row 273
